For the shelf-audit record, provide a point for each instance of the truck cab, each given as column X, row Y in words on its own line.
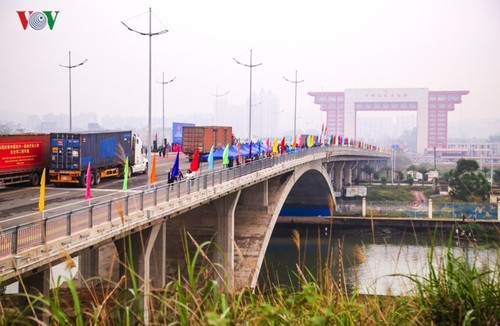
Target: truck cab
column 139, row 152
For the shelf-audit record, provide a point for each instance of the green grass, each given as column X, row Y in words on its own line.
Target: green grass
column 399, row 193
column 459, row 291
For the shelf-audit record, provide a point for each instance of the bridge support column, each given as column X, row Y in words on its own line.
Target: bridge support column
column 88, row 265
column 160, row 268
column 135, row 251
column 348, row 173
column 224, row 237
column 430, row 208
column 38, row 283
column 338, row 173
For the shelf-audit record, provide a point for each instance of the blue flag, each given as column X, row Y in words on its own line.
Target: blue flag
column 211, row 158
column 175, row 168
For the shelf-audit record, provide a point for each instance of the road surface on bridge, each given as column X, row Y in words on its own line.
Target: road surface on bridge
column 19, row 205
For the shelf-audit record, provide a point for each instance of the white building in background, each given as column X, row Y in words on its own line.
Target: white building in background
column 432, row 109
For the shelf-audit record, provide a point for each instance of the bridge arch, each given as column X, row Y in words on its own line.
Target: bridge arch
column 308, row 184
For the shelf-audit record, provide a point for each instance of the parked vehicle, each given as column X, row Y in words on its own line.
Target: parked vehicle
column 23, row 158
column 105, row 151
column 204, row 137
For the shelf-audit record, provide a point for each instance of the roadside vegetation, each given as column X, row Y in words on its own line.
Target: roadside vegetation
column 396, row 193
column 466, row 180
column 456, row 291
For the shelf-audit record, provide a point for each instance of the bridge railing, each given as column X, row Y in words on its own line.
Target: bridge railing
column 14, row 240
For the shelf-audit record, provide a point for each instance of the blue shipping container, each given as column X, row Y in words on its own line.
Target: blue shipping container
column 73, row 151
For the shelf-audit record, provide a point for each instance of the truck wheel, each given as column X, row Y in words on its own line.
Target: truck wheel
column 146, row 169
column 35, row 179
column 97, row 177
column 83, row 179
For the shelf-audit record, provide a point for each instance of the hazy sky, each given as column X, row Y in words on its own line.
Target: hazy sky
column 334, row 45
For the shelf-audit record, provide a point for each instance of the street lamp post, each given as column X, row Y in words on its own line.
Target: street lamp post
column 69, row 66
column 295, row 110
column 217, row 95
column 163, row 83
column 150, row 34
column 250, row 99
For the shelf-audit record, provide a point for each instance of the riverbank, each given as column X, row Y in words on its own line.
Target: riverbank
column 392, row 222
column 484, row 230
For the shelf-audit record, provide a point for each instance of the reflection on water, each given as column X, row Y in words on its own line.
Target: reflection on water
column 369, row 262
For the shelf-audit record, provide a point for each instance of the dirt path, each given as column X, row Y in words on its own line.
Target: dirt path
column 419, row 197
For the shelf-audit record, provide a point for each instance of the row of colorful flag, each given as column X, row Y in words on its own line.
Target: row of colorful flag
column 277, row 147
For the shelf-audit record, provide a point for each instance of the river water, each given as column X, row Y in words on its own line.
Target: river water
column 368, row 261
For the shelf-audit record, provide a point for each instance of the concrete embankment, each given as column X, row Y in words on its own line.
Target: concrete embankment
column 406, row 223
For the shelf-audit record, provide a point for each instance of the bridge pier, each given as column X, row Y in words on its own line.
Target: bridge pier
column 224, row 237
column 348, row 172
column 35, row 284
column 338, row 170
column 135, row 253
column 88, row 265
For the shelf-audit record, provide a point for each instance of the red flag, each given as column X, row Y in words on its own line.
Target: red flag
column 88, row 182
column 283, row 145
column 195, row 163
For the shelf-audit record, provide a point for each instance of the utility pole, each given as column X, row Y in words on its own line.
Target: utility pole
column 217, row 95
column 163, row 83
column 295, row 110
column 69, row 66
column 150, row 34
column 250, row 98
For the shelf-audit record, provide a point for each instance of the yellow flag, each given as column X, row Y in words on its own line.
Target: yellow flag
column 275, row 146
column 41, row 202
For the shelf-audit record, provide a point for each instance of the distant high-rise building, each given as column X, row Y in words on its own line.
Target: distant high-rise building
column 432, row 110
column 32, row 123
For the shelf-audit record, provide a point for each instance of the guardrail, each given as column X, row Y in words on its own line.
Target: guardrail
column 15, row 239
column 452, row 210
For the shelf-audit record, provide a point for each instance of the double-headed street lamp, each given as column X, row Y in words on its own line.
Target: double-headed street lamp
column 295, row 110
column 163, row 83
column 150, row 34
column 69, row 66
column 250, row 98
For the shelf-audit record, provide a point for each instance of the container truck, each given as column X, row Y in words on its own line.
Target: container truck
column 105, row 151
column 204, row 137
column 23, row 158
